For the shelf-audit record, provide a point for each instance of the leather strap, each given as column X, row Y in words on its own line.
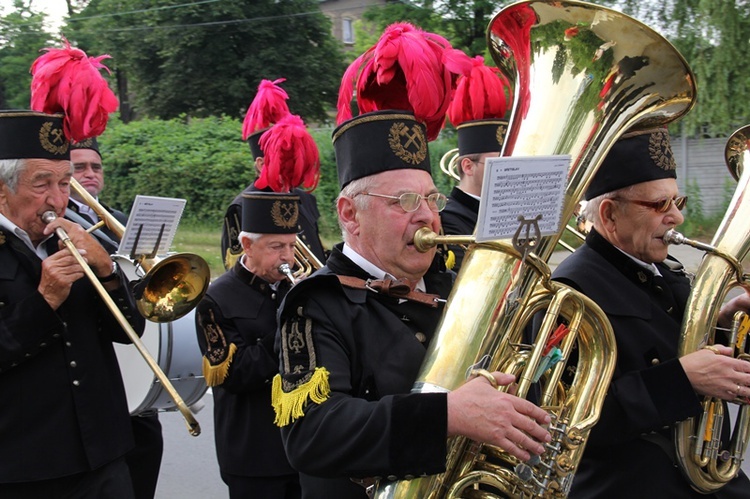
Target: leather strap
column 390, row 287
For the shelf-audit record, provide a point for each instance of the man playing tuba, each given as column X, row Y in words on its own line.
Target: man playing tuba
column 624, row 266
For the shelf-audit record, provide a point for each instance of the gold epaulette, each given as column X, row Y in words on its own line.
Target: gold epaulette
column 289, row 406
column 216, row 374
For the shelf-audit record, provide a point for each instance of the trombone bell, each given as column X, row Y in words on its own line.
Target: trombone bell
column 172, row 287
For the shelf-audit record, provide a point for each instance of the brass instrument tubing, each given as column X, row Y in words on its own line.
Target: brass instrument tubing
column 673, row 237
column 193, row 426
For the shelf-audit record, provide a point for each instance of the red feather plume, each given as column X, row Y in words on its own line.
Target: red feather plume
column 408, row 69
column 67, row 81
column 268, row 107
column 291, row 156
column 480, row 94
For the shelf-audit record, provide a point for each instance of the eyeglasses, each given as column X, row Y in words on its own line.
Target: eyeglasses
column 660, row 206
column 410, row 201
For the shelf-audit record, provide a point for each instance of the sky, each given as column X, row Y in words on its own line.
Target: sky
column 55, row 9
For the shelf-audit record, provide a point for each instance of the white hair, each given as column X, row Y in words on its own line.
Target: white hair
column 252, row 236
column 10, row 172
column 591, row 210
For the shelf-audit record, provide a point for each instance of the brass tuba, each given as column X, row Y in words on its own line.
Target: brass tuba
column 697, row 440
column 582, row 75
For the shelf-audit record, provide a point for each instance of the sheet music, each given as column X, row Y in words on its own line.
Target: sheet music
column 156, row 219
column 521, row 186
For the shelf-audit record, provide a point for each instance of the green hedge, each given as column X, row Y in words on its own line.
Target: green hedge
column 206, row 162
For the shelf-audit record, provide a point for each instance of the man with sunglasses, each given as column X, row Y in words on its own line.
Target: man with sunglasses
column 624, row 266
column 354, row 334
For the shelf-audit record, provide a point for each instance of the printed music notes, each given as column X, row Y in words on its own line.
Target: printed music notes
column 152, row 225
column 524, row 187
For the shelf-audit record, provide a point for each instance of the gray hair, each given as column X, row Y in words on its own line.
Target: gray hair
column 252, row 236
column 352, row 191
column 591, row 211
column 10, row 172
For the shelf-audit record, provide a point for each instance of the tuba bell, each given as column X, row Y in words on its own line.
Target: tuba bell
column 582, row 75
column 703, row 463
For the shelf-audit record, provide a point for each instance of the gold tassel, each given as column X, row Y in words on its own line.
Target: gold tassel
column 289, row 406
column 215, row 375
column 450, row 262
column 231, row 258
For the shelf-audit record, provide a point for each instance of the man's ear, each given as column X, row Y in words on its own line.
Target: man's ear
column 608, row 214
column 467, row 166
column 247, row 244
column 347, row 212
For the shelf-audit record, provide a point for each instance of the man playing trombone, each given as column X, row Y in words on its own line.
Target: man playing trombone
column 66, row 429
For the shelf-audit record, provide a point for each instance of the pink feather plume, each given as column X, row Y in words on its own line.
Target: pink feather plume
column 268, row 107
column 291, row 156
column 67, row 81
column 408, row 69
column 480, row 94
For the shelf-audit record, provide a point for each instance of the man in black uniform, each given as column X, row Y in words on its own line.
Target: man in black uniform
column 145, row 460
column 236, row 323
column 66, row 429
column 353, row 335
column 624, row 266
column 477, row 141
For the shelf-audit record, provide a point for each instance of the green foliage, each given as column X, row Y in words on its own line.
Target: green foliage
column 208, row 58
column 699, row 224
column 204, row 161
column 22, row 34
column 201, row 160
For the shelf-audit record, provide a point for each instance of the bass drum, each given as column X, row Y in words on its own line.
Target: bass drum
column 174, row 347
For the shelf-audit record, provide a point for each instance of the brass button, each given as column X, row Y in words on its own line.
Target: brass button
column 76, row 382
column 655, row 362
column 421, row 337
column 73, row 363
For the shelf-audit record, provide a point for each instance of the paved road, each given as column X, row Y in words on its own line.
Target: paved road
column 189, row 469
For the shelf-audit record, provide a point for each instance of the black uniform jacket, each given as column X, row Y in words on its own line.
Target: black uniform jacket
column 109, row 239
column 372, row 347
column 459, row 218
column 65, row 406
column 307, row 226
column 627, row 454
column 242, row 308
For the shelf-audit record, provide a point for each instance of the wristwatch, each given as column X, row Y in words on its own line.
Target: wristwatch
column 114, row 275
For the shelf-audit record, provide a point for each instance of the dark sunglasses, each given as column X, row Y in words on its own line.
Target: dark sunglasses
column 660, row 206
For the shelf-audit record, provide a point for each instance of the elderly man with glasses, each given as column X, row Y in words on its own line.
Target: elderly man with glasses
column 624, row 266
column 354, row 334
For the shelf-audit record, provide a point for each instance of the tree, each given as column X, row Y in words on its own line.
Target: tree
column 714, row 38
column 463, row 22
column 22, row 34
column 207, row 57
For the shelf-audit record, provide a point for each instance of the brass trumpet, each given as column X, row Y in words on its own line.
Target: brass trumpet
column 305, row 263
column 193, row 426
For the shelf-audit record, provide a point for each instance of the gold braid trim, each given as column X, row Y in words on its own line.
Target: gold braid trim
column 231, row 258
column 289, row 406
column 215, row 375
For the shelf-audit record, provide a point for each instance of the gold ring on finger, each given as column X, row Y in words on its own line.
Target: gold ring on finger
column 485, row 374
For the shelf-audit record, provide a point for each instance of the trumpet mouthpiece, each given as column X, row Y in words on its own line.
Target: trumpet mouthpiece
column 672, row 237
column 287, row 271
column 48, row 216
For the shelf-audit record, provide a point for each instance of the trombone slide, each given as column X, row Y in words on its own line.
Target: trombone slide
column 193, row 426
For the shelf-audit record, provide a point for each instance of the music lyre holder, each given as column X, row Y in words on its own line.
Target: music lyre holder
column 154, row 252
